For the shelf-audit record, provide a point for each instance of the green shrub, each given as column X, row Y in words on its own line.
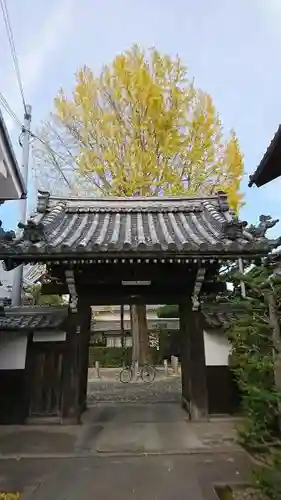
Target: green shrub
column 253, row 337
column 268, row 479
column 111, row 357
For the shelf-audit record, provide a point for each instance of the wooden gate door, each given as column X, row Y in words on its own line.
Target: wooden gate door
column 44, row 366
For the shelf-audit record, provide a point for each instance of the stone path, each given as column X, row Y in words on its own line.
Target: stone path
column 160, row 391
column 120, row 429
column 128, row 451
column 123, row 478
column 150, row 428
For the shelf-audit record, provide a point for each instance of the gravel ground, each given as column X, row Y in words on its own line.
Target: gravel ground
column 166, row 391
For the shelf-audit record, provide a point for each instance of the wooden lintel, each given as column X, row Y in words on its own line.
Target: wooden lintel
column 169, row 292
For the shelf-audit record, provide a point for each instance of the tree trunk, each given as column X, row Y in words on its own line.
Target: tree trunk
column 135, row 334
column 140, row 351
column 122, row 325
column 143, row 334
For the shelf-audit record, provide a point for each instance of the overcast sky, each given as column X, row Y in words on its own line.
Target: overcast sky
column 231, row 48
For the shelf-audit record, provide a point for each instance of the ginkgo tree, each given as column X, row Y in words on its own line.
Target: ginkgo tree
column 139, row 127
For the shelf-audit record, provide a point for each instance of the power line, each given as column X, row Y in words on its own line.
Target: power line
column 54, row 153
column 13, row 48
column 9, row 110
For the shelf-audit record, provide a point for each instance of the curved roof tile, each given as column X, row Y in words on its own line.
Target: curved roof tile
column 189, row 225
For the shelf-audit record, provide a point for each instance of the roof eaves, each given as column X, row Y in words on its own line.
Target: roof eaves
column 35, row 310
column 10, row 149
column 265, row 162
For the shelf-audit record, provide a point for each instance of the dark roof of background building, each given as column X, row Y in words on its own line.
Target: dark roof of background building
column 270, row 165
column 112, row 226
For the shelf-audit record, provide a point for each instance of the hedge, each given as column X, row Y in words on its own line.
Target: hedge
column 112, row 357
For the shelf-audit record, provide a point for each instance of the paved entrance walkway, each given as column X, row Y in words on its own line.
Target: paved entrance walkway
column 121, row 429
column 151, row 428
column 190, row 477
column 122, row 451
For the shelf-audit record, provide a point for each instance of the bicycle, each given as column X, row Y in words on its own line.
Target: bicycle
column 147, row 373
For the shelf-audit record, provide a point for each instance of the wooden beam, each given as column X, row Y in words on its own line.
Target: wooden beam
column 208, row 287
column 102, row 273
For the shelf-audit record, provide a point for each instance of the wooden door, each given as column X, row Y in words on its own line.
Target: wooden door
column 44, row 368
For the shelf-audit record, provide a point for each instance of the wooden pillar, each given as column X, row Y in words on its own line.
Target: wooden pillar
column 71, row 371
column 185, row 355
column 85, row 314
column 194, row 386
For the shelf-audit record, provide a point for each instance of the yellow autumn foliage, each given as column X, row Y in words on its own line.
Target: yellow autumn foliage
column 141, row 127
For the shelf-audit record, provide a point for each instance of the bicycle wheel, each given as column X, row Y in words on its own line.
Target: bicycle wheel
column 126, row 375
column 148, row 373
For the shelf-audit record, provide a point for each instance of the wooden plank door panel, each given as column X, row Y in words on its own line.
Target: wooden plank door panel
column 45, row 378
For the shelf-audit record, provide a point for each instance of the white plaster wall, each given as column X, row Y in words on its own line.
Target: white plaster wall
column 12, row 350
column 217, row 349
column 49, row 336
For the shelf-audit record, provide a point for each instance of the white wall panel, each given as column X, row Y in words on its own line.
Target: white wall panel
column 12, row 350
column 217, row 349
column 49, row 336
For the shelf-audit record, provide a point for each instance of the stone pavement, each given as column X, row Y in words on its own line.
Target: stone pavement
column 151, row 428
column 121, row 429
column 190, row 477
column 122, row 451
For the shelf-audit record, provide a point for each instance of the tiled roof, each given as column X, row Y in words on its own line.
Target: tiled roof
column 32, row 318
column 217, row 313
column 189, row 225
column 216, row 319
column 270, row 165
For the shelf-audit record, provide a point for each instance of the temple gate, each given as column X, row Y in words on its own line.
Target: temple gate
column 126, row 251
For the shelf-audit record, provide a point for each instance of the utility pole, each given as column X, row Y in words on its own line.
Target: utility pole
column 18, row 272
